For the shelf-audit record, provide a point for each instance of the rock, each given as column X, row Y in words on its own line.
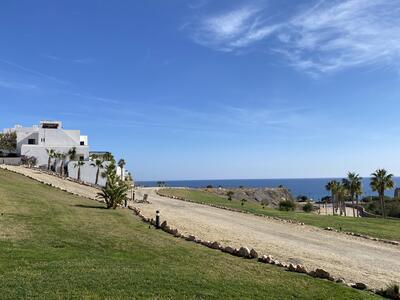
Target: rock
column 263, row 259
column 292, row 268
column 215, row 245
column 320, row 273
column 253, row 253
column 359, row 286
column 191, row 238
column 301, row 269
column 269, row 259
column 244, row 252
column 163, row 224
column 229, row 249
column 340, row 280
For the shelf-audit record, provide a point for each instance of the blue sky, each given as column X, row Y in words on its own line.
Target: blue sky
column 211, row 89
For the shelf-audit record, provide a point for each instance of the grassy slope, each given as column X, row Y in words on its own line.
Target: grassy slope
column 53, row 245
column 388, row 229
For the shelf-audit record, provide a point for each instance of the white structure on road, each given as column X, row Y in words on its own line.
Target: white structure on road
column 36, row 140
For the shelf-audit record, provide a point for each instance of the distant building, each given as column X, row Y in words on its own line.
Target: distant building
column 35, row 140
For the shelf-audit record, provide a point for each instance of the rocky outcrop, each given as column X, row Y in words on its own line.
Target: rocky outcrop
column 268, row 196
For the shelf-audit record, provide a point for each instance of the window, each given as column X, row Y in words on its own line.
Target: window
column 31, row 141
column 82, row 143
column 81, row 158
column 42, row 140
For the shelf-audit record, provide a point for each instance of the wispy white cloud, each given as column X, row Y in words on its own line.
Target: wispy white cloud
column 326, row 37
column 84, row 60
column 234, row 29
column 33, row 72
column 17, row 85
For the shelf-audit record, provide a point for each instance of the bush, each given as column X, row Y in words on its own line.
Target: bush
column 287, row 205
column 308, row 207
column 209, row 186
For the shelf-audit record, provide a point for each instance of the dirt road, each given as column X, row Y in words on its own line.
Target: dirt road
column 355, row 259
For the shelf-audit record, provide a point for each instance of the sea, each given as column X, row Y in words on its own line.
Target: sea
column 313, row 188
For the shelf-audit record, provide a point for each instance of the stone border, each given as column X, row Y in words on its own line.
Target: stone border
column 247, row 253
column 241, row 252
column 396, row 243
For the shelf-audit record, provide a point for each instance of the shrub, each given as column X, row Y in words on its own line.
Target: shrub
column 308, row 207
column 229, row 194
column 287, row 205
column 209, row 186
column 243, row 201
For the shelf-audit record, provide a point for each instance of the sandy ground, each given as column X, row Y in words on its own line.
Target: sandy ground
column 355, row 259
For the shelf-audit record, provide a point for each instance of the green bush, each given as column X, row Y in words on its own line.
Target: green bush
column 287, row 205
column 308, row 207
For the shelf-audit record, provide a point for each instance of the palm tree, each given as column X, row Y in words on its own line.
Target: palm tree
column 50, row 153
column 354, row 187
column 332, row 186
column 78, row 165
column 380, row 182
column 62, row 156
column 121, row 164
column 99, row 164
column 72, row 153
column 108, row 157
column 56, row 156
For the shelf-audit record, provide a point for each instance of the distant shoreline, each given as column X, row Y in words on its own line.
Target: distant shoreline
column 311, row 187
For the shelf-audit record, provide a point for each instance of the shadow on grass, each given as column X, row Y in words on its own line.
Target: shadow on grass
column 90, row 206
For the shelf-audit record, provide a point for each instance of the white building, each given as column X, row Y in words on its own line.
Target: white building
column 36, row 140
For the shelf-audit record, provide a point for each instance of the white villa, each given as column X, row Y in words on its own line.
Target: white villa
column 35, row 140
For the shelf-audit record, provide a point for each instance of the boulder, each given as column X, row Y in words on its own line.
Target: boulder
column 229, row 249
column 359, row 286
column 263, row 259
column 191, row 238
column 253, row 253
column 215, row 245
column 244, row 252
column 301, row 269
column 321, row 273
column 292, row 268
column 163, row 224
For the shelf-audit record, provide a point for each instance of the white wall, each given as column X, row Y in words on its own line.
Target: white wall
column 88, row 172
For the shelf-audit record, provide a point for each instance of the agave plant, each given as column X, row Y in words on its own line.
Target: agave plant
column 115, row 190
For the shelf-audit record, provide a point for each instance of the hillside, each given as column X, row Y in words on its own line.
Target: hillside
column 53, row 245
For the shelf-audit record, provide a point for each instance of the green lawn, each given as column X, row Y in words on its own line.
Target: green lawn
column 55, row 245
column 380, row 228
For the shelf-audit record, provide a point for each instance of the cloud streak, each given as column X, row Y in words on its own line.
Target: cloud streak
column 327, row 37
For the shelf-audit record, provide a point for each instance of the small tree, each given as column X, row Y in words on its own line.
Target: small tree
column 62, row 156
column 243, row 201
column 121, row 164
column 229, row 194
column 8, row 141
column 308, row 207
column 115, row 191
column 72, row 153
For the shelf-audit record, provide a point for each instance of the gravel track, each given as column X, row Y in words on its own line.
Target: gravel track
column 352, row 258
